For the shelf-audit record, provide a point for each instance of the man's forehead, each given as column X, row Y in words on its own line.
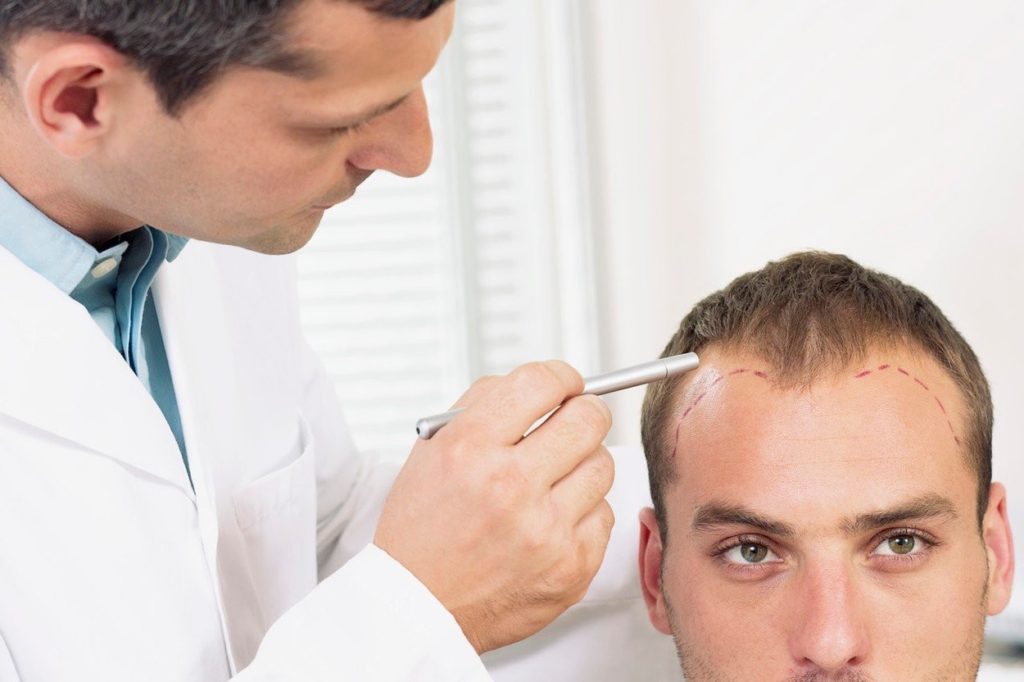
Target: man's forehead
column 884, row 429
column 734, row 380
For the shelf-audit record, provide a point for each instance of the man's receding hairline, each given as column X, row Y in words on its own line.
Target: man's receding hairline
column 831, row 371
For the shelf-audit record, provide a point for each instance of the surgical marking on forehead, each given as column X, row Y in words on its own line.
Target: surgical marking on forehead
column 736, row 372
column 882, row 368
column 764, row 375
column 696, row 401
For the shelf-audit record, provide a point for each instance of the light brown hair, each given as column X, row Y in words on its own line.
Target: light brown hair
column 807, row 314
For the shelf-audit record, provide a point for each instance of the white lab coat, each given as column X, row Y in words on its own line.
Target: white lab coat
column 112, row 569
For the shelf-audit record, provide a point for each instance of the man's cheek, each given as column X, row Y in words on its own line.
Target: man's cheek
column 735, row 643
column 721, row 616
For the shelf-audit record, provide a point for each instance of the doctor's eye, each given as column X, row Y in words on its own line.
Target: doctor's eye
column 344, row 131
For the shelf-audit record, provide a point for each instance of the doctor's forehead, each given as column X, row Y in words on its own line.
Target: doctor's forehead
column 734, row 424
column 344, row 40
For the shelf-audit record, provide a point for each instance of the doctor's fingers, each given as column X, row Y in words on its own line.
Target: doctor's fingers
column 568, row 437
column 592, row 535
column 503, row 412
column 577, row 495
column 478, row 388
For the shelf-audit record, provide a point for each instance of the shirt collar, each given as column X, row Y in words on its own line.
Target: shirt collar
column 175, row 243
column 44, row 246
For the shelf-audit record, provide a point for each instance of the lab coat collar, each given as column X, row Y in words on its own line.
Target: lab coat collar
column 193, row 316
column 60, row 374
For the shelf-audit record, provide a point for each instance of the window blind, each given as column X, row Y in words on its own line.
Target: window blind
column 415, row 287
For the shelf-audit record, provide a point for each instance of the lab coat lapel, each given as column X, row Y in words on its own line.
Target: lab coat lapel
column 60, row 374
column 203, row 367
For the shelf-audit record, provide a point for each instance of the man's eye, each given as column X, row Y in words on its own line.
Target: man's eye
column 903, row 544
column 749, row 553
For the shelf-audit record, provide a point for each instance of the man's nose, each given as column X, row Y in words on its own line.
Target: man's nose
column 830, row 635
column 400, row 141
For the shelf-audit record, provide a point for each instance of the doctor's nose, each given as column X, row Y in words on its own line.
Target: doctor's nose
column 830, row 636
column 400, row 141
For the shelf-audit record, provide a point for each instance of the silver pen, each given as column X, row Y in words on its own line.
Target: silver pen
column 618, row 380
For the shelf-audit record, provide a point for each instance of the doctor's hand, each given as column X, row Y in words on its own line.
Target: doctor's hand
column 507, row 532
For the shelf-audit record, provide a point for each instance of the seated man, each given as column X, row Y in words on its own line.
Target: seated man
column 823, row 505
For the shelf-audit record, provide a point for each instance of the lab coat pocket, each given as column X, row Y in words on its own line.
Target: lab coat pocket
column 276, row 515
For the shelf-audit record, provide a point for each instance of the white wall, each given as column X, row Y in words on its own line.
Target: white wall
column 729, row 133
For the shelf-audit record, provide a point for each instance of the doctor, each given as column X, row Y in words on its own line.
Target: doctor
column 179, row 497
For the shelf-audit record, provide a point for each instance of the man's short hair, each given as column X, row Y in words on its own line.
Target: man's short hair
column 182, row 45
column 809, row 314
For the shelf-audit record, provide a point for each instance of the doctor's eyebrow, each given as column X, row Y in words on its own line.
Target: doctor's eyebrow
column 710, row 517
column 928, row 506
column 367, row 116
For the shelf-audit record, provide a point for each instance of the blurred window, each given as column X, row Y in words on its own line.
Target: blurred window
column 416, row 287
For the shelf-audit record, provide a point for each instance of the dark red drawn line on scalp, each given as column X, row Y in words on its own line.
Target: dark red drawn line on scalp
column 882, row 368
column 675, row 443
column 696, row 401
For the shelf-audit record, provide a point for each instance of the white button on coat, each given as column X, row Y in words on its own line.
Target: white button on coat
column 103, row 268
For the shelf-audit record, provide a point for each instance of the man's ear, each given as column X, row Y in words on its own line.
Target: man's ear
column 998, row 537
column 651, row 552
column 69, row 91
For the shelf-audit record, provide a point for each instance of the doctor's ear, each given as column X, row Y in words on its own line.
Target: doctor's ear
column 651, row 554
column 69, row 89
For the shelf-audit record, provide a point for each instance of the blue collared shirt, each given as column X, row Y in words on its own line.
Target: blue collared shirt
column 113, row 285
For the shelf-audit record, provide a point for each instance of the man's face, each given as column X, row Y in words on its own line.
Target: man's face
column 829, row 533
column 257, row 157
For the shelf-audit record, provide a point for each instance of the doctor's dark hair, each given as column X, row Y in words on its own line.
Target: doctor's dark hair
column 184, row 45
column 809, row 315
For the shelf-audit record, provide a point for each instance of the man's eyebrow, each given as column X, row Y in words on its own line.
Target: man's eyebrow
column 928, row 506
column 709, row 517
